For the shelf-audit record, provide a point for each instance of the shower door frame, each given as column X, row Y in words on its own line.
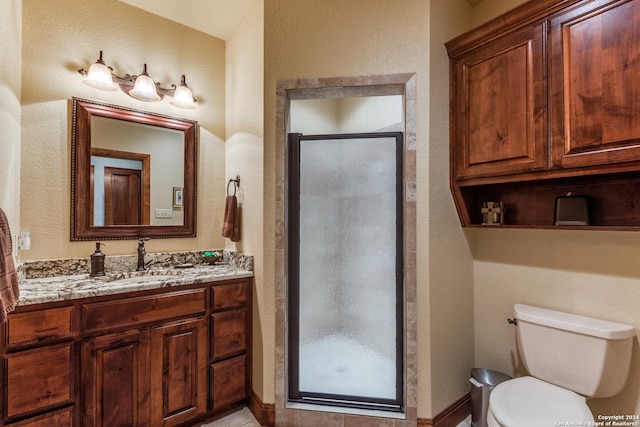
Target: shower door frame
column 293, row 283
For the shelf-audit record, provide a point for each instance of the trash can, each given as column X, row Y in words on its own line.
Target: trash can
column 483, row 381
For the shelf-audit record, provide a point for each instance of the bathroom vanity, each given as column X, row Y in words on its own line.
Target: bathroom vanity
column 137, row 351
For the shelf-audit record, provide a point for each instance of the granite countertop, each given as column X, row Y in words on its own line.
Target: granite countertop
column 62, row 288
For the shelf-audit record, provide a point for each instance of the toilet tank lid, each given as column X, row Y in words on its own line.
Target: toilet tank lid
column 574, row 322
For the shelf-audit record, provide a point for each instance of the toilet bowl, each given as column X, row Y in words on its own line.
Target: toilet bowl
column 530, row 402
column 569, row 358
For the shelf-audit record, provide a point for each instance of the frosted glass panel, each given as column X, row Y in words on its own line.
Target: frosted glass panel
column 347, row 256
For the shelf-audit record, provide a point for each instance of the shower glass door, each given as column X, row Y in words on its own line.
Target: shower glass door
column 345, row 286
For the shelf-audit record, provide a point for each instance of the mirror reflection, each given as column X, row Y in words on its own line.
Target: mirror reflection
column 133, row 173
column 135, row 166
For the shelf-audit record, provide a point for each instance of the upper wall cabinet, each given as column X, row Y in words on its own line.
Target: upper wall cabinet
column 499, row 94
column 545, row 101
column 595, row 96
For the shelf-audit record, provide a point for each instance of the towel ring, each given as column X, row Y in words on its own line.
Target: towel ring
column 236, row 184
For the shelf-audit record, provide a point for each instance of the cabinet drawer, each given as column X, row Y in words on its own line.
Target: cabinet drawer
column 230, row 296
column 38, row 326
column 62, row 418
column 139, row 310
column 39, row 379
column 228, row 382
column 229, row 334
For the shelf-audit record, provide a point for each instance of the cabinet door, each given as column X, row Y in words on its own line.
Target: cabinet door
column 116, row 380
column 595, row 96
column 62, row 418
column 498, row 119
column 229, row 382
column 38, row 380
column 229, row 336
column 40, row 326
column 179, row 371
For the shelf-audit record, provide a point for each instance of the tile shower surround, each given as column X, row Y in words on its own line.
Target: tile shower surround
column 397, row 84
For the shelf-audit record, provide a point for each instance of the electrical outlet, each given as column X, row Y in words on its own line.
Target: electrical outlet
column 164, row 213
column 24, row 241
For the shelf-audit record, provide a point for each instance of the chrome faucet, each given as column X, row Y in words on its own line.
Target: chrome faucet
column 141, row 253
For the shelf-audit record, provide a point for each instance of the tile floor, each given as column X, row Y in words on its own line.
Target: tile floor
column 466, row 422
column 244, row 418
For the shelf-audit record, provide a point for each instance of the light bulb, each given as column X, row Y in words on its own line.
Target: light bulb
column 145, row 88
column 99, row 76
column 183, row 98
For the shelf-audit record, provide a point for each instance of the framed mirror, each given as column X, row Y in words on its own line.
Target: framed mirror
column 133, row 173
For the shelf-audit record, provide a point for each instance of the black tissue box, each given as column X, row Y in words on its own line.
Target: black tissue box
column 571, row 210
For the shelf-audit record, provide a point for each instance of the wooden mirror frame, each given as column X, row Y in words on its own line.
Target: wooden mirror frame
column 81, row 228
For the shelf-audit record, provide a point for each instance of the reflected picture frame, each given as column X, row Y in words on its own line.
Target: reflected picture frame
column 177, row 197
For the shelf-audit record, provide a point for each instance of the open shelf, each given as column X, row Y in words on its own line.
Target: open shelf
column 614, row 201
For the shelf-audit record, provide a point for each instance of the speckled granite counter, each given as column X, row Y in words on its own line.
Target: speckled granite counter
column 61, row 288
column 66, row 279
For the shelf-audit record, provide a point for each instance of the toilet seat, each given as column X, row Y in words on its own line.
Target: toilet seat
column 530, row 402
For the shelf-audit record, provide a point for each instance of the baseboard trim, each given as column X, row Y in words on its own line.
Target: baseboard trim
column 265, row 413
column 451, row 416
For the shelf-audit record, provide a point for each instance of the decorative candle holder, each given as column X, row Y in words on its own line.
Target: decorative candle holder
column 492, row 213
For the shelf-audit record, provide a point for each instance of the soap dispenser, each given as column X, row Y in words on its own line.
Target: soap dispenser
column 97, row 261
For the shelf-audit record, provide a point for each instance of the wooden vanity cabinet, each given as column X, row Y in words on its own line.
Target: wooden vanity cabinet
column 544, row 102
column 230, row 362
column 152, row 375
column 116, row 380
column 39, row 368
column 179, row 371
column 168, row 357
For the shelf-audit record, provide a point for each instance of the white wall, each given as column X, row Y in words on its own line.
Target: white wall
column 371, row 114
column 10, row 95
column 347, row 115
column 315, row 116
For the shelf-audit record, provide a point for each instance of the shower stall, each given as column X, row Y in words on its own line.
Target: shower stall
column 345, row 270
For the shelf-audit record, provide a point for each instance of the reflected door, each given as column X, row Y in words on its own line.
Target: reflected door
column 345, row 281
column 122, row 196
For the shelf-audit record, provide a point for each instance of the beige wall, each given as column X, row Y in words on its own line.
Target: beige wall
column 450, row 265
column 61, row 37
column 363, row 37
column 244, row 157
column 592, row 273
column 489, row 9
column 10, row 93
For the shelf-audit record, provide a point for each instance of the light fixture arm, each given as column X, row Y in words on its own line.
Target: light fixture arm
column 127, row 83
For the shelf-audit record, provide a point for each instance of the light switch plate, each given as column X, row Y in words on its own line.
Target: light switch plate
column 164, row 213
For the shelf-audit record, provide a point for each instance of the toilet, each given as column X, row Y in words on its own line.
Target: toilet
column 569, row 358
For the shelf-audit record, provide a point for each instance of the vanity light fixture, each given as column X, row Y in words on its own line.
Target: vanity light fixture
column 142, row 87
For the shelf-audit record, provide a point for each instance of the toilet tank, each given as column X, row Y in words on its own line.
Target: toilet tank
column 589, row 356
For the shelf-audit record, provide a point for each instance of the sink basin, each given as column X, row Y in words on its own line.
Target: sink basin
column 141, row 276
column 138, row 279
